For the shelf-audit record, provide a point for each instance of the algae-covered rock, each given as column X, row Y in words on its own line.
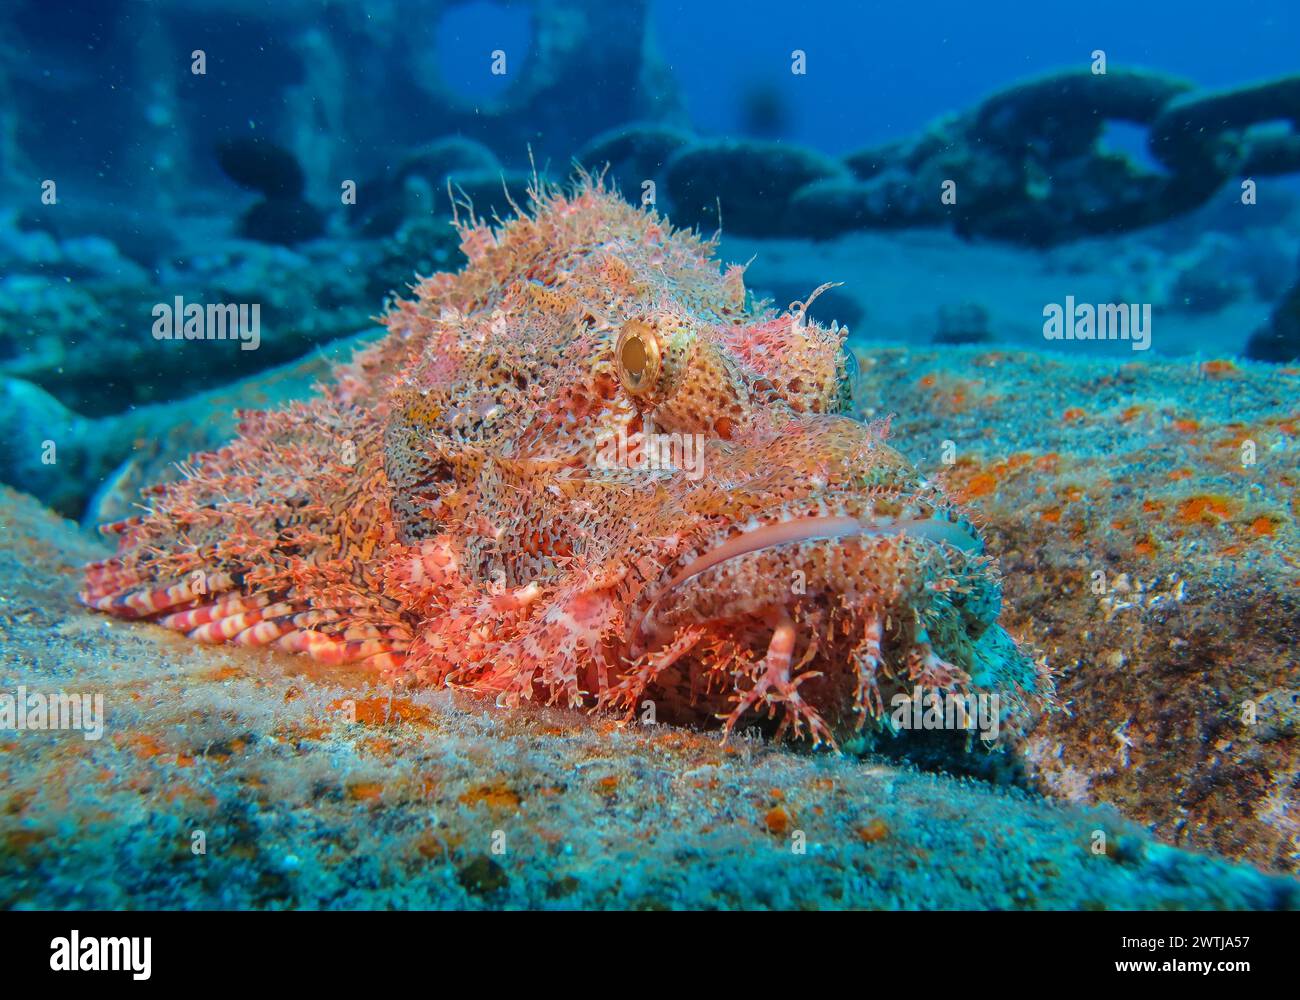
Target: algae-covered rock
column 1145, row 517
column 232, row 778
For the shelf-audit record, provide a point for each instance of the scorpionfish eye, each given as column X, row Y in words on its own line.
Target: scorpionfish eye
column 638, row 357
column 680, row 372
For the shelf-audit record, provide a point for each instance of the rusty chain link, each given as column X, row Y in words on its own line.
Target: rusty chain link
column 1028, row 164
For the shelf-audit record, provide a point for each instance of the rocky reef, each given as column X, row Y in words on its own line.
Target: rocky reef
column 227, row 778
column 1145, row 516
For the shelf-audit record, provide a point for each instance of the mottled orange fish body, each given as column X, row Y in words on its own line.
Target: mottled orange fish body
column 587, row 469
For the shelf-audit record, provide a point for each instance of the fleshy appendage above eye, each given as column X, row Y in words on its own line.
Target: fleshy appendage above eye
column 638, row 357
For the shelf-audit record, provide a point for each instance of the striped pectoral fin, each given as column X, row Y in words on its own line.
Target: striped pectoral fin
column 118, row 591
column 227, row 619
column 327, row 635
column 205, row 614
column 382, row 651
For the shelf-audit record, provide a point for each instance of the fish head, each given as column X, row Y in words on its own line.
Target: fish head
column 798, row 549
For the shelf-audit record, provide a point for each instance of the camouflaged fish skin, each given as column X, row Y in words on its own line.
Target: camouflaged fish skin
column 586, row 469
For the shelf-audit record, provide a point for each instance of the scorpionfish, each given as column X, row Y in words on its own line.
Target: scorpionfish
column 470, row 501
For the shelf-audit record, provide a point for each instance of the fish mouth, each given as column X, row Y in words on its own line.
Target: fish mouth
column 816, row 528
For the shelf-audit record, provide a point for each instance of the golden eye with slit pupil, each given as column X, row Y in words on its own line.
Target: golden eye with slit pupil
column 637, row 354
